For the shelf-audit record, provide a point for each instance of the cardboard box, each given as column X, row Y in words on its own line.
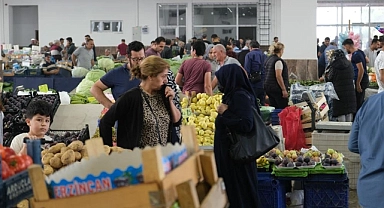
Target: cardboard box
column 108, row 172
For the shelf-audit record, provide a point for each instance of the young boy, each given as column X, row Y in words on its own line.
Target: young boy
column 38, row 119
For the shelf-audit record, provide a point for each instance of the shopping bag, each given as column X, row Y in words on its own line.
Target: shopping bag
column 290, row 119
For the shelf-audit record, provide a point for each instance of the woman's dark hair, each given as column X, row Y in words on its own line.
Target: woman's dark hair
column 134, row 46
column 199, row 47
column 40, row 107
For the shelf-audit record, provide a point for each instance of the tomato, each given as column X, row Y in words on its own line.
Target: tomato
column 16, row 163
column 6, row 172
column 27, row 160
column 6, row 152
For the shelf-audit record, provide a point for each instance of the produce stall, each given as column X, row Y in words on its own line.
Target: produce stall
column 159, row 185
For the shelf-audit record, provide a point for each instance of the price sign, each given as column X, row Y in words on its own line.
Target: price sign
column 186, row 112
column 43, row 88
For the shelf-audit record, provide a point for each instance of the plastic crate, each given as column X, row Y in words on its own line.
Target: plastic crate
column 327, row 177
column 326, row 194
column 353, row 169
column 16, row 189
column 83, row 134
column 271, row 192
column 33, row 71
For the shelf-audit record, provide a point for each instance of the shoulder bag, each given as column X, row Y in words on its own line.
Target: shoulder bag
column 246, row 147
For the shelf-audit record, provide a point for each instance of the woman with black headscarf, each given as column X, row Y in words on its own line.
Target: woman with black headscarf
column 340, row 73
column 235, row 113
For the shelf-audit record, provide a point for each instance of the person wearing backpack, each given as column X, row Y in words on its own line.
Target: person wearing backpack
column 254, row 65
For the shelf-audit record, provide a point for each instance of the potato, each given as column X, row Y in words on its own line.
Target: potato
column 44, row 152
column 58, row 155
column 55, row 162
column 84, row 152
column 107, row 149
column 48, row 170
column 68, row 157
column 56, row 148
column 64, row 149
column 77, row 156
column 117, row 149
column 46, row 158
column 76, row 145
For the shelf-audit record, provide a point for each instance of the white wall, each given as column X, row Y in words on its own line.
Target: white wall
column 298, row 28
column 25, row 22
column 295, row 24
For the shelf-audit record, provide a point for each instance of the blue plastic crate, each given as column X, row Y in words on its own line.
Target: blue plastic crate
column 327, row 177
column 326, row 194
column 16, row 189
column 271, row 192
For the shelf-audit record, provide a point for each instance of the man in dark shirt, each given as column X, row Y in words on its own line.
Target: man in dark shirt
column 204, row 37
column 326, row 42
column 122, row 49
column 244, row 52
column 360, row 67
column 119, row 79
column 156, row 48
column 48, row 71
column 254, row 65
column 70, row 48
column 167, row 52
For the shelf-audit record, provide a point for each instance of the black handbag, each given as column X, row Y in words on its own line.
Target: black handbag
column 246, row 147
column 255, row 77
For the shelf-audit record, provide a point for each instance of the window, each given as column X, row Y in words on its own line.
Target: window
column 107, row 26
column 361, row 18
column 377, row 14
column 226, row 20
column 172, row 20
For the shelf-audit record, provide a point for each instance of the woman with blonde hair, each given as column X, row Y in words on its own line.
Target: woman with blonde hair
column 146, row 114
column 276, row 82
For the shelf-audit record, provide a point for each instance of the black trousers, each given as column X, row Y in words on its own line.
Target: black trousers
column 361, row 96
column 260, row 94
column 276, row 99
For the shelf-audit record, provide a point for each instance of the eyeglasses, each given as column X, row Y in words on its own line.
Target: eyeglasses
column 137, row 59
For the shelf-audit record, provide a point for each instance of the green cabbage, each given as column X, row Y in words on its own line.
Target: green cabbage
column 79, row 72
column 106, row 64
column 95, row 75
column 84, row 88
column 175, row 65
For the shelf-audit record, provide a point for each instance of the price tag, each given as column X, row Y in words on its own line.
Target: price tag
column 43, row 88
column 186, row 112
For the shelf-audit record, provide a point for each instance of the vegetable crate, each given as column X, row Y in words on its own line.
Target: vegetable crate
column 194, row 183
column 322, row 109
column 271, row 192
column 326, row 191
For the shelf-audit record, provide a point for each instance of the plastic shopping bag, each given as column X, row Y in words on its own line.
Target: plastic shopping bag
column 290, row 119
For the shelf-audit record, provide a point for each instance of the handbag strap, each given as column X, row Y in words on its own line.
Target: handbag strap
column 154, row 115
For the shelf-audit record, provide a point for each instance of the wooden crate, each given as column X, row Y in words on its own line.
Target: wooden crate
column 158, row 190
column 321, row 114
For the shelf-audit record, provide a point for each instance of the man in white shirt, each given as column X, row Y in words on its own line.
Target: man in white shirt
column 371, row 52
column 379, row 67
